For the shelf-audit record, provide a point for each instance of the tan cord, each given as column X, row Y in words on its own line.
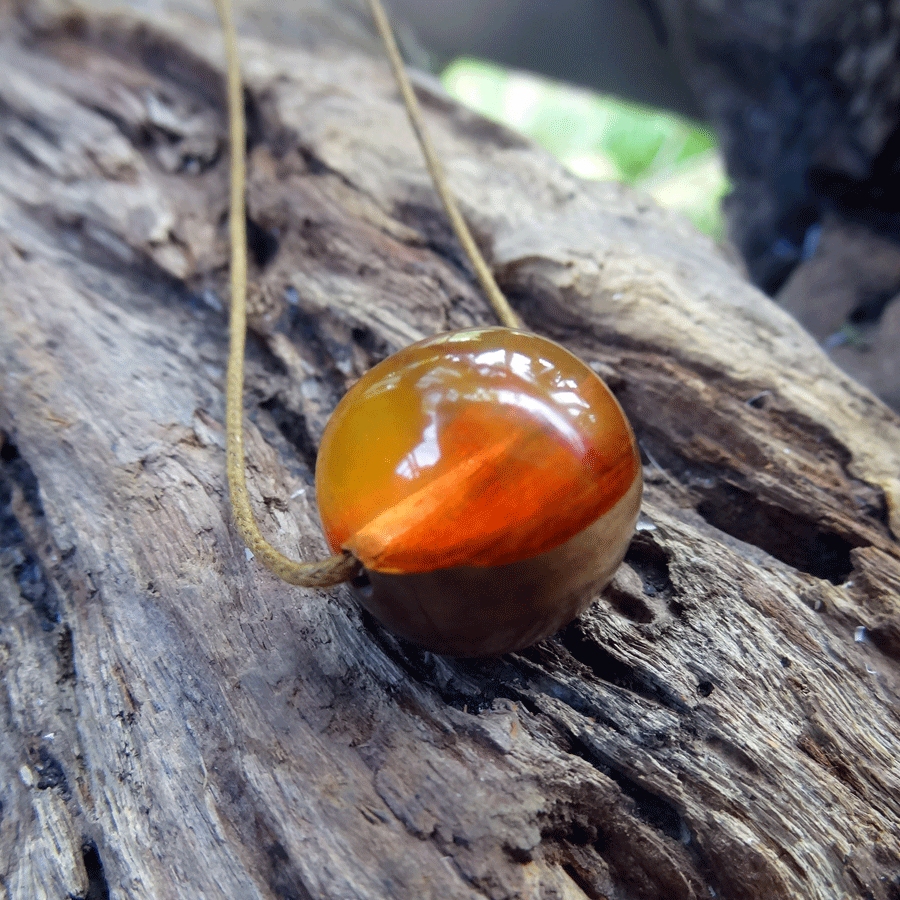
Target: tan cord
column 344, row 566
column 502, row 309
column 321, row 573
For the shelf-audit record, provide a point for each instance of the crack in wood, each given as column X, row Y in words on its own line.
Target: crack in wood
column 98, row 887
column 24, row 539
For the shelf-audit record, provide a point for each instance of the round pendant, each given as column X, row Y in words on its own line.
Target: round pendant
column 489, row 483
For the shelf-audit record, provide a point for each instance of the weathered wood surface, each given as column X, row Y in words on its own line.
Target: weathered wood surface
column 179, row 724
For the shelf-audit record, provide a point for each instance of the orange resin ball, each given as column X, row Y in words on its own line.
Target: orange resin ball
column 488, row 482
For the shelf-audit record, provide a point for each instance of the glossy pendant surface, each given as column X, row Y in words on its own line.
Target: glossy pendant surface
column 459, row 460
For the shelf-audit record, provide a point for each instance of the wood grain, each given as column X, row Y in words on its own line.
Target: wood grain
column 722, row 722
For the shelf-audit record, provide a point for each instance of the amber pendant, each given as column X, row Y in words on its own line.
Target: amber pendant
column 489, row 483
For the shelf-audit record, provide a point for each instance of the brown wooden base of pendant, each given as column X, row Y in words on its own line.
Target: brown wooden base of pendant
column 467, row 612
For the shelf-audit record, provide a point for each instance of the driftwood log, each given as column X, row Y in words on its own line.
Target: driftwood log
column 722, row 723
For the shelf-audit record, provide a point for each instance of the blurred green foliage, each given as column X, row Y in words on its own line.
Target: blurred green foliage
column 674, row 160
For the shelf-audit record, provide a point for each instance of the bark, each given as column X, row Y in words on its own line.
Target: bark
column 722, row 722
